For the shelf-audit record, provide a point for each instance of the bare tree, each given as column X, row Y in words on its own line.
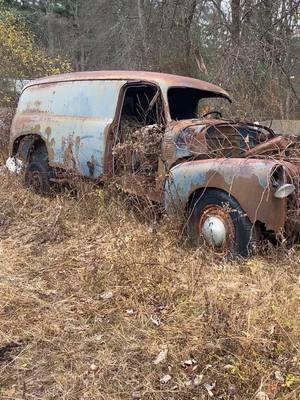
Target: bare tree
column 249, row 46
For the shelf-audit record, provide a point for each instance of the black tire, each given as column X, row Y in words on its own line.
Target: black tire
column 37, row 176
column 241, row 233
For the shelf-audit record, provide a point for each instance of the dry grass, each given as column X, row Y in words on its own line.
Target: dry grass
column 5, row 121
column 90, row 295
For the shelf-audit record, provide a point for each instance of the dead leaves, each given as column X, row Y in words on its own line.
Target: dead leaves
column 161, row 356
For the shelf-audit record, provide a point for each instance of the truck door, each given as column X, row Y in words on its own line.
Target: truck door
column 137, row 145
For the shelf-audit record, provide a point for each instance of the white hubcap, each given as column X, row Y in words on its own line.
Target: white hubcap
column 214, row 231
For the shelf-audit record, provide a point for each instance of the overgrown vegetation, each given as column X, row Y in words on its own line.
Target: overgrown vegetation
column 91, row 296
column 5, row 120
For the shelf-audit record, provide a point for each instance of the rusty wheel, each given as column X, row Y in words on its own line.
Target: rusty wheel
column 37, row 176
column 36, row 181
column 216, row 228
column 217, row 221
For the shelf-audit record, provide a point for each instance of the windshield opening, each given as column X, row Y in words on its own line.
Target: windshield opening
column 187, row 103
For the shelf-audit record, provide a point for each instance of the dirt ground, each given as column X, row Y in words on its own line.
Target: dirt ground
column 96, row 303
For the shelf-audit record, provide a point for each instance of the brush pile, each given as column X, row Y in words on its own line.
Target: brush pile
column 139, row 150
column 293, row 151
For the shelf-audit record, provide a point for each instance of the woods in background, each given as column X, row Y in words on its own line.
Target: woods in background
column 21, row 57
column 250, row 47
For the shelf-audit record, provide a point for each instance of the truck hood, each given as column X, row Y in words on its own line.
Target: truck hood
column 216, row 138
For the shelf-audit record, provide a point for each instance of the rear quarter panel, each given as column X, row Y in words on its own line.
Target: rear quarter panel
column 73, row 118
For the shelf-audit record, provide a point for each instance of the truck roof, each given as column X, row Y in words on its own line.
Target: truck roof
column 156, row 77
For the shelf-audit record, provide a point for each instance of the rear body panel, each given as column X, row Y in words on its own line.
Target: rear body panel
column 73, row 118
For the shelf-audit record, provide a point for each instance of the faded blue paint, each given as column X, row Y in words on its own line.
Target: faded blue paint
column 69, row 99
column 187, row 177
column 182, row 151
column 181, row 148
column 182, row 144
column 72, row 118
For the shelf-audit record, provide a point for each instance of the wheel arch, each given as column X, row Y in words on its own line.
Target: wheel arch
column 27, row 145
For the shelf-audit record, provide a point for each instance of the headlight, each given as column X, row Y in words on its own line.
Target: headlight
column 284, row 190
column 278, row 182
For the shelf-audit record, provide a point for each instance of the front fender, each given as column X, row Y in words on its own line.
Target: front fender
column 247, row 180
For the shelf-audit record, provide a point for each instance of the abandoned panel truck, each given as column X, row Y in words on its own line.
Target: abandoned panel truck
column 162, row 137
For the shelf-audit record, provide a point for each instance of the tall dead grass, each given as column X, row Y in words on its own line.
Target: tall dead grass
column 5, row 121
column 90, row 296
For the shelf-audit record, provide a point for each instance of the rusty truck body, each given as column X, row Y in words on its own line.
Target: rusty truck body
column 157, row 136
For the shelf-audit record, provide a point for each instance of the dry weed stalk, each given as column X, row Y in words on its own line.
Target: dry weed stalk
column 5, row 121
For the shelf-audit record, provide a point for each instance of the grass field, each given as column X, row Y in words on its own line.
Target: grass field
column 96, row 303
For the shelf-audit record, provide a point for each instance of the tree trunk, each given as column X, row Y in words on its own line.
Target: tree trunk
column 50, row 32
column 188, row 26
column 142, row 30
column 236, row 21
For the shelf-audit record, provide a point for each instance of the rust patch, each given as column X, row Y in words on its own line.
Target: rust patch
column 77, row 150
column 67, row 151
column 91, row 165
column 50, row 142
column 36, row 129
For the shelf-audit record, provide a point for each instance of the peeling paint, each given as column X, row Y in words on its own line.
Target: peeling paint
column 72, row 118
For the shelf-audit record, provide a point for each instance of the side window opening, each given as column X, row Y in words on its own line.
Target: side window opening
column 183, row 103
column 138, row 142
column 142, row 106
